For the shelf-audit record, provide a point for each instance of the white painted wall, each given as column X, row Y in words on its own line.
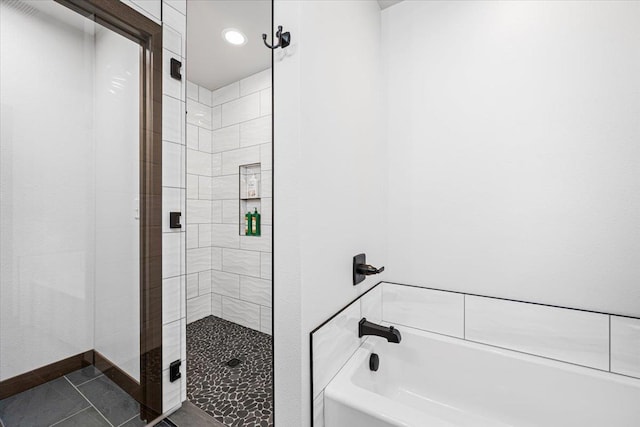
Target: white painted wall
column 329, row 175
column 513, row 132
column 117, row 224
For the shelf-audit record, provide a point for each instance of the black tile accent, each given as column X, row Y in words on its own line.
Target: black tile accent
column 43, row 405
column 87, row 418
column 113, row 402
column 235, row 396
column 83, row 375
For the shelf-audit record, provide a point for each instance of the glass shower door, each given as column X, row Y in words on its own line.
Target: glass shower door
column 70, row 218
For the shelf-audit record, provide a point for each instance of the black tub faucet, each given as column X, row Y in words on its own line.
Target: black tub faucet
column 369, row 328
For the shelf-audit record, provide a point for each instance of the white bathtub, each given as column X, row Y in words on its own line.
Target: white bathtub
column 432, row 380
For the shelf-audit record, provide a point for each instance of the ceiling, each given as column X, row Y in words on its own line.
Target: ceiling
column 213, row 62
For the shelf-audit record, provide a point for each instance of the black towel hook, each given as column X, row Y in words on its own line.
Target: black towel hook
column 284, row 39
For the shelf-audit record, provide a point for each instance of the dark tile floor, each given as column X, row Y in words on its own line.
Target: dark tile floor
column 84, row 398
column 235, row 396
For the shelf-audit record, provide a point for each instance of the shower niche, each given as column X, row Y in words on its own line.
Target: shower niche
column 250, row 199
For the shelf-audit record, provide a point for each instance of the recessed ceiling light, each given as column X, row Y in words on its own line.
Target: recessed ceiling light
column 233, row 36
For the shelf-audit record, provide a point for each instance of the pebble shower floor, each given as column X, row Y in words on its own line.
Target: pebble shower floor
column 235, row 396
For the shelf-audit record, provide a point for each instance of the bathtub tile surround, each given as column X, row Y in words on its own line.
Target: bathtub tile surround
column 227, row 128
column 333, row 344
column 427, row 309
column 625, row 346
column 574, row 336
column 567, row 335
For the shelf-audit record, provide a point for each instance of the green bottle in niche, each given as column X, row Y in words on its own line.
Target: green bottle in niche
column 247, row 223
column 255, row 223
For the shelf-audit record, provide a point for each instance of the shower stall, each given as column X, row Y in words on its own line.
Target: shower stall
column 80, row 228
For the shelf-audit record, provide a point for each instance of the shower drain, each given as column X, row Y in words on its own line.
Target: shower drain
column 234, row 362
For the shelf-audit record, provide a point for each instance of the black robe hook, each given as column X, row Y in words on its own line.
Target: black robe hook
column 284, row 39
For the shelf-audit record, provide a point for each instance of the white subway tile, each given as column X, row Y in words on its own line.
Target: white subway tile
column 227, row 284
column 204, row 140
column 192, row 285
column 427, row 309
column 227, row 138
column 192, row 236
column 241, row 312
column 371, row 304
column 241, row 262
column 170, row 342
column 204, row 188
column 231, row 160
column 172, row 110
column 572, row 336
column 265, row 102
column 199, row 307
column 183, row 340
column 171, row 202
column 198, row 211
column 179, row 5
column 265, row 320
column 216, row 305
column 225, row 94
column 255, row 82
column 149, row 8
column 265, row 185
column 333, row 345
column 231, row 212
column 198, row 163
column 172, row 155
column 198, row 114
column 204, row 96
column 204, row 282
column 266, row 213
column 265, row 265
column 172, row 40
column 225, row 236
column 216, row 164
column 171, row 299
column 175, row 20
column 257, row 243
column 192, row 136
column 266, row 158
column 625, row 346
column 255, row 132
column 216, row 117
column 318, row 410
column 171, row 391
column 192, row 90
column 170, row 86
column 216, row 258
column 192, row 186
column 204, row 235
column 241, row 110
column 171, row 254
column 198, row 260
column 255, row 290
column 216, row 211
column 224, row 187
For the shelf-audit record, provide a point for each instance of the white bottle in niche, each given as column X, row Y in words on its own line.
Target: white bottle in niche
column 252, row 187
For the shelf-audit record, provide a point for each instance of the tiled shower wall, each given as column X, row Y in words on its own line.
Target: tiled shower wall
column 172, row 15
column 229, row 275
column 595, row 340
